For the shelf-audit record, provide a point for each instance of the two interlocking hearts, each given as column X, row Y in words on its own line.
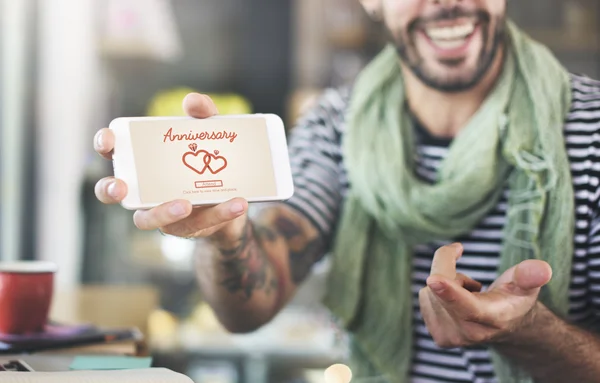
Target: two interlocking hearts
column 201, row 161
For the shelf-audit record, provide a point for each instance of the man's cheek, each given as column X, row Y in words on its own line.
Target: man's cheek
column 398, row 12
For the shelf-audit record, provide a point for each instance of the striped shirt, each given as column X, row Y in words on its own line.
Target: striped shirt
column 321, row 184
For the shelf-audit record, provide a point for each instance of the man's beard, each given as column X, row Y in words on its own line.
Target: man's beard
column 409, row 54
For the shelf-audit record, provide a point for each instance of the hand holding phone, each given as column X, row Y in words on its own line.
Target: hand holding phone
column 166, row 167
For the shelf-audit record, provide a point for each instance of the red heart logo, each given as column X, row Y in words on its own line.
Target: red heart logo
column 195, row 161
column 201, row 161
column 216, row 163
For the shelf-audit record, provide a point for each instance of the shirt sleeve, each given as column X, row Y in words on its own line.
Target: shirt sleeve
column 583, row 144
column 586, row 273
column 315, row 158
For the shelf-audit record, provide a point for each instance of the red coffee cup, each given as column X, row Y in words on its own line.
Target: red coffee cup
column 25, row 296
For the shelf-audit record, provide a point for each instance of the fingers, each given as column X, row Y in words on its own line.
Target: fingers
column 163, row 215
column 468, row 283
column 202, row 219
column 444, row 261
column 104, row 143
column 531, row 275
column 110, row 190
column 199, row 106
column 178, row 218
column 453, row 296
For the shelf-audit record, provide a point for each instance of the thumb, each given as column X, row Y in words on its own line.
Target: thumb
column 531, row 275
column 199, row 106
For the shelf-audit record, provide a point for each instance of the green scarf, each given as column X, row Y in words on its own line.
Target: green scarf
column 516, row 137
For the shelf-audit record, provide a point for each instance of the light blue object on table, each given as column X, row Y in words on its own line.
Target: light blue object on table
column 109, row 363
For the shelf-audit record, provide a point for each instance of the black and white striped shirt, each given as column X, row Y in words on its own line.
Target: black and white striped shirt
column 321, row 184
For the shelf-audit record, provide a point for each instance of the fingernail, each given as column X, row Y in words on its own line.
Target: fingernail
column 112, row 190
column 437, row 287
column 177, row 209
column 237, row 208
column 99, row 141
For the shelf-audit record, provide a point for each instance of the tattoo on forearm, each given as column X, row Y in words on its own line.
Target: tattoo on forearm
column 246, row 267
column 303, row 253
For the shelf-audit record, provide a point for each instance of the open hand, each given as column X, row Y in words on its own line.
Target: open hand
column 176, row 218
column 458, row 314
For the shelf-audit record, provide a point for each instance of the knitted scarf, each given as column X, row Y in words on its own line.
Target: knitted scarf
column 515, row 138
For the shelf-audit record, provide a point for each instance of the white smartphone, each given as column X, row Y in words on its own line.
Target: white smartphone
column 204, row 161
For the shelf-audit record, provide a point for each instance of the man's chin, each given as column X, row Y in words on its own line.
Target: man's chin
column 449, row 82
column 454, row 75
column 452, row 64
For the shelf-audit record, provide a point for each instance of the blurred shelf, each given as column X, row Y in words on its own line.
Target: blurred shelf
column 296, row 333
column 297, row 339
column 348, row 38
column 304, row 358
column 566, row 42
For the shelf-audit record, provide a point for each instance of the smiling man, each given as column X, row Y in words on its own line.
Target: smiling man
column 455, row 187
column 447, row 48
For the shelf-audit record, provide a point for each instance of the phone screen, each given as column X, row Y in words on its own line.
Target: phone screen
column 208, row 160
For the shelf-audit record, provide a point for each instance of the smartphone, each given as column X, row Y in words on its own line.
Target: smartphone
column 205, row 161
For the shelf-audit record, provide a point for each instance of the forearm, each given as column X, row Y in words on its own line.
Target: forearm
column 553, row 351
column 247, row 280
column 238, row 280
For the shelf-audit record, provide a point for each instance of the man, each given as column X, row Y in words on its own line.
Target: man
column 463, row 136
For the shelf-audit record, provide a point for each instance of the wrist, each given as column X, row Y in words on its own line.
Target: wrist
column 232, row 235
column 533, row 323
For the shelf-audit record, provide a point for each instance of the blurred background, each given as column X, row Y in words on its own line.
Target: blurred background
column 69, row 67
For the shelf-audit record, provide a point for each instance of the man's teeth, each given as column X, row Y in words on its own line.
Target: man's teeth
column 453, row 35
column 449, row 44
